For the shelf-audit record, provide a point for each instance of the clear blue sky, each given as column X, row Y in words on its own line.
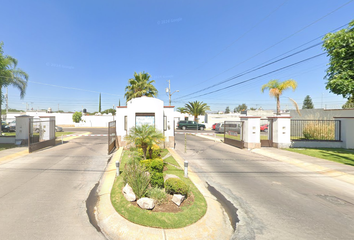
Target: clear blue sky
column 74, row 50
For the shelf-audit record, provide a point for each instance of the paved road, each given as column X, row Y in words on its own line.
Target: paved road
column 43, row 194
column 275, row 200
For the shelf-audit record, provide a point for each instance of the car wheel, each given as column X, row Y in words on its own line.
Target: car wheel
column 183, row 128
column 201, row 128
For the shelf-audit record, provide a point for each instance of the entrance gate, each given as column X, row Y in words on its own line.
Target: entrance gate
column 266, row 133
column 233, row 133
column 41, row 134
column 112, row 137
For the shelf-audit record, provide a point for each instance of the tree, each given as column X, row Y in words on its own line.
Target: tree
column 349, row 103
column 227, row 110
column 110, row 110
column 182, row 110
column 77, row 117
column 144, row 136
column 307, row 103
column 253, row 109
column 10, row 75
column 99, row 104
column 119, row 103
column 340, row 49
column 239, row 108
column 276, row 89
column 139, row 86
column 196, row 108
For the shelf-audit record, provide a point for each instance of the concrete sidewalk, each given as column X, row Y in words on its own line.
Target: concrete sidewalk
column 332, row 169
column 215, row 224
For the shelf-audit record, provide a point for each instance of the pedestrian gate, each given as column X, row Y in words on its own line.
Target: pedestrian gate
column 266, row 133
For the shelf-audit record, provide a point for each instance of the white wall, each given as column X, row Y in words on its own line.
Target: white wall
column 145, row 105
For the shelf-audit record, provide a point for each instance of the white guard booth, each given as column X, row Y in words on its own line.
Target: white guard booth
column 145, row 110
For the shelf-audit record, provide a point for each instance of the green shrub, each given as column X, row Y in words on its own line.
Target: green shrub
column 176, row 186
column 156, row 179
column 157, row 194
column 156, row 165
column 319, row 131
column 135, row 175
column 146, row 163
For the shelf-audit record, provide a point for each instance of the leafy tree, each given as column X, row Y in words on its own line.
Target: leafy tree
column 196, row 108
column 110, row 110
column 307, row 103
column 119, row 103
column 227, row 110
column 77, row 117
column 140, row 85
column 10, row 75
column 349, row 103
column 239, row 108
column 276, row 89
column 340, row 73
column 99, row 104
column 144, row 136
column 182, row 110
column 253, row 109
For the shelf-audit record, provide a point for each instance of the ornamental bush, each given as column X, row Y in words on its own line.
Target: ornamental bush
column 156, row 179
column 135, row 175
column 156, row 165
column 176, row 186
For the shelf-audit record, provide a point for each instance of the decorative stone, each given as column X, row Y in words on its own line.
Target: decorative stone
column 178, row 199
column 128, row 193
column 170, row 176
column 146, row 203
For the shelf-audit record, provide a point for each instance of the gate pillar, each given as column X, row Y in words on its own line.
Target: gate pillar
column 23, row 129
column 281, row 131
column 251, row 131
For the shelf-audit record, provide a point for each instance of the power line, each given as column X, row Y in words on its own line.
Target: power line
column 284, row 39
column 265, row 74
column 252, row 70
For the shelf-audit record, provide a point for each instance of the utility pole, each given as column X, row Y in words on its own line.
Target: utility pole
column 168, row 90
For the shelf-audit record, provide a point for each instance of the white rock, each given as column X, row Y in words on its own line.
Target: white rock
column 178, row 199
column 146, row 203
column 170, row 176
column 128, row 193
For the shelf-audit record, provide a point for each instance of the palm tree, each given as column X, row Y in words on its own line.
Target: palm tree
column 181, row 110
column 196, row 108
column 144, row 137
column 139, row 86
column 10, row 75
column 276, row 89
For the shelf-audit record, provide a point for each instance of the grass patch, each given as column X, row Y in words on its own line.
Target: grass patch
column 59, row 134
column 189, row 214
column 4, row 146
column 340, row 155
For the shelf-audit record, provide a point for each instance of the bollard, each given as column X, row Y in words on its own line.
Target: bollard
column 186, row 169
column 117, row 166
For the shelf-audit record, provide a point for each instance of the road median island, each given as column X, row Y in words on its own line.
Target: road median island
column 201, row 218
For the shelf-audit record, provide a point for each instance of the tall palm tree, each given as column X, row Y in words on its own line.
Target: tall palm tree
column 140, row 85
column 276, row 89
column 196, row 108
column 181, row 110
column 10, row 75
column 144, row 137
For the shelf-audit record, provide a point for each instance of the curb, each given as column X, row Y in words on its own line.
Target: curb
column 309, row 166
column 215, row 224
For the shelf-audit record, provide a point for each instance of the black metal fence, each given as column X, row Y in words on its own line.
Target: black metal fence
column 315, row 130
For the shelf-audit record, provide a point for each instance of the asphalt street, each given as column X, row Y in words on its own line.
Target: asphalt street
column 275, row 200
column 43, row 194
